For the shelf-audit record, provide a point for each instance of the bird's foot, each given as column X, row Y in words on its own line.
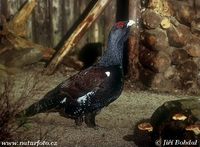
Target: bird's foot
column 90, row 121
column 79, row 121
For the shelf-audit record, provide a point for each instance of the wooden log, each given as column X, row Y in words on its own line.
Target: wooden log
column 197, row 61
column 178, row 36
column 154, row 60
column 20, row 43
column 77, row 34
column 195, row 27
column 196, row 6
column 18, row 23
column 193, row 47
column 179, row 56
column 23, row 51
column 160, row 6
column 160, row 83
column 165, row 23
column 170, row 72
column 146, row 76
column 156, row 39
column 188, row 70
column 187, row 73
column 155, row 81
column 17, row 50
column 151, row 19
column 183, row 11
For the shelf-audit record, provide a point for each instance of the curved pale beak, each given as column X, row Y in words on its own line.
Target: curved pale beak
column 130, row 23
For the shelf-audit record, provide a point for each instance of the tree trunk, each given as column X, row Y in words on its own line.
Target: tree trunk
column 133, row 44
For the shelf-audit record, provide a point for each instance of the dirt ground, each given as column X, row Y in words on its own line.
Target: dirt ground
column 115, row 121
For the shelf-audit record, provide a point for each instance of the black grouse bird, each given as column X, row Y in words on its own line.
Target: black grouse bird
column 87, row 92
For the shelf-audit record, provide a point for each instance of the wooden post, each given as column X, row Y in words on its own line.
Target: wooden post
column 133, row 44
column 77, row 34
column 19, row 22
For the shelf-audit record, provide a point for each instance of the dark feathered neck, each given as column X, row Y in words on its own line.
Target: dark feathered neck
column 113, row 55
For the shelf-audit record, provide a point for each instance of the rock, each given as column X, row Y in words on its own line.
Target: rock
column 193, row 48
column 164, row 127
column 178, row 36
column 181, row 106
column 151, row 20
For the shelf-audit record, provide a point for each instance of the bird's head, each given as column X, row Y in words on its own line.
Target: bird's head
column 120, row 31
column 118, row 35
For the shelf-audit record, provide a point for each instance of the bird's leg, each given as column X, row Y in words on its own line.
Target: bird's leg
column 79, row 121
column 90, row 120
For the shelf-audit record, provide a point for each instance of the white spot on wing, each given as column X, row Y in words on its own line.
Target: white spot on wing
column 130, row 23
column 64, row 100
column 107, row 73
column 83, row 99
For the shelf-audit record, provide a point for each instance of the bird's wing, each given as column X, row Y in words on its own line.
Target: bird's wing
column 84, row 83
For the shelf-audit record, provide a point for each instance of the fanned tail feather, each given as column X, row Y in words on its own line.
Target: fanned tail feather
column 50, row 101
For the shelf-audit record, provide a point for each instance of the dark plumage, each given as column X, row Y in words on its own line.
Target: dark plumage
column 84, row 94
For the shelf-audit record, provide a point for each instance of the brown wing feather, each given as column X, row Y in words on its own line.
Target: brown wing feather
column 83, row 82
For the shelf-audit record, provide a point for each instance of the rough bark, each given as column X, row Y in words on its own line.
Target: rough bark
column 156, row 39
column 179, row 56
column 133, row 44
column 19, row 22
column 154, row 60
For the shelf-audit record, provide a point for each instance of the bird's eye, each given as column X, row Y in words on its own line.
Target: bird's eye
column 120, row 24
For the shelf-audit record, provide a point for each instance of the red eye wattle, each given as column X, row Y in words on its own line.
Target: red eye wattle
column 120, row 24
